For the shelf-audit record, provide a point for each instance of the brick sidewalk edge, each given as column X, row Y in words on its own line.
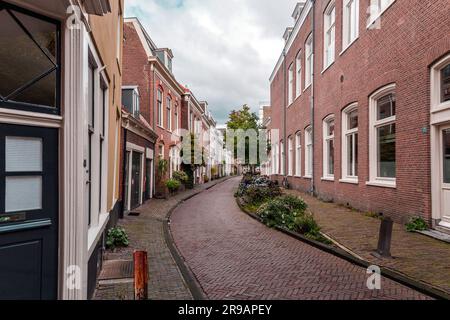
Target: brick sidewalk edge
column 191, row 281
column 351, row 257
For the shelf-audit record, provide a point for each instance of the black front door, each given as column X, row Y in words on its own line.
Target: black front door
column 136, row 180
column 28, row 212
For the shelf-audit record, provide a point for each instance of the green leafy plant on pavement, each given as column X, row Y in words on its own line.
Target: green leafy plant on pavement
column 116, row 237
column 416, row 224
column 181, row 176
column 173, row 185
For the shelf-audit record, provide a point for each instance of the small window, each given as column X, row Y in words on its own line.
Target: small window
column 328, row 147
column 291, row 85
column 283, row 159
column 30, row 61
column 169, row 114
column 329, row 34
column 160, row 108
column 350, row 143
column 308, row 152
column 91, row 94
column 382, row 141
column 350, row 21
column 445, row 84
column 377, row 7
column 298, row 75
column 309, row 63
column 291, row 157
column 298, row 155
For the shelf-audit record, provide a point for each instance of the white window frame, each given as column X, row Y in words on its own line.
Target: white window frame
column 291, row 84
column 283, row 159
column 98, row 202
column 298, row 75
column 298, row 154
column 346, row 132
column 327, row 138
column 169, row 112
column 308, row 152
column 160, row 106
column 374, row 124
column 329, row 35
column 436, row 78
column 376, row 10
column 291, row 157
column 350, row 22
column 309, row 61
column 119, row 37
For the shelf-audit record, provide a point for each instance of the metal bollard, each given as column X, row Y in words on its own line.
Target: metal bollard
column 140, row 275
column 385, row 239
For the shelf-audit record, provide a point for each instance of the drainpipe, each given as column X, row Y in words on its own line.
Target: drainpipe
column 284, row 118
column 123, row 170
column 313, row 26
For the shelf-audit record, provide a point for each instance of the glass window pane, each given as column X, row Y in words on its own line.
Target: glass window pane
column 23, row 193
column 386, row 151
column 445, row 84
column 43, row 32
column 350, row 155
column 331, row 128
column 446, row 152
column 91, row 95
column 21, row 60
column 386, row 107
column 23, row 154
column 331, row 157
column 353, row 120
column 41, row 93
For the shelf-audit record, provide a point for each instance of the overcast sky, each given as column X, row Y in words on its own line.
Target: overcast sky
column 225, row 50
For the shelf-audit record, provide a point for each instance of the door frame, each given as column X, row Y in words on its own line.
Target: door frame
column 133, row 148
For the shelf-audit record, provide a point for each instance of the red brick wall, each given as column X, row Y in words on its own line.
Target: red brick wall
column 136, row 69
column 414, row 34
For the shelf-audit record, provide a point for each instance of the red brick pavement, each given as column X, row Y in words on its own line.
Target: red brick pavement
column 236, row 257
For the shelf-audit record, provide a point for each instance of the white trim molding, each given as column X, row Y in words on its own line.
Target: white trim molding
column 329, row 130
column 346, row 133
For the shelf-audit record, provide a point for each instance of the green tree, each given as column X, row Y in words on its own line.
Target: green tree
column 244, row 119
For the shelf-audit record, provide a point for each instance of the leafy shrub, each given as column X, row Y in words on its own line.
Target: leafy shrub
column 116, row 237
column 181, row 176
column 257, row 195
column 416, row 224
column 173, row 185
column 282, row 211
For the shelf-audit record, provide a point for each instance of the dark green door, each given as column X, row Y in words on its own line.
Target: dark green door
column 28, row 212
column 135, row 180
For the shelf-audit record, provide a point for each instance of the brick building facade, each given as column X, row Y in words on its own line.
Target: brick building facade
column 360, row 97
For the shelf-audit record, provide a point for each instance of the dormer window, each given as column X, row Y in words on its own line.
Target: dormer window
column 130, row 100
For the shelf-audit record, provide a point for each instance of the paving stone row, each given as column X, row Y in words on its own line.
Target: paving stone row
column 236, row 257
column 418, row 256
column 146, row 232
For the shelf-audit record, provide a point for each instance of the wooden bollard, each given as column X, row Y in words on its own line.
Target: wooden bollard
column 140, row 275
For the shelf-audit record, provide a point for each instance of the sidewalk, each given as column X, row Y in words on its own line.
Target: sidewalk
column 415, row 255
column 146, row 232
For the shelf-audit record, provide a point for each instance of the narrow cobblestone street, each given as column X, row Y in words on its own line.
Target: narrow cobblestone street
column 236, row 257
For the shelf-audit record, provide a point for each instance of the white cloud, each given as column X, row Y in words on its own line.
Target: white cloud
column 224, row 50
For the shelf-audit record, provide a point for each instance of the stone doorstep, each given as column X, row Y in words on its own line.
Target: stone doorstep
column 436, row 234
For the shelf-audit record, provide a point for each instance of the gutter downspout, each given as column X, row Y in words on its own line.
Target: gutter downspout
column 284, row 158
column 313, row 26
column 124, row 176
column 155, row 156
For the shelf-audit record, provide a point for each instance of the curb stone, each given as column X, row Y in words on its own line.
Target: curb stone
column 399, row 277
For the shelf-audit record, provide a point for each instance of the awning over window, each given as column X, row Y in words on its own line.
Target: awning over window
column 97, row 7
